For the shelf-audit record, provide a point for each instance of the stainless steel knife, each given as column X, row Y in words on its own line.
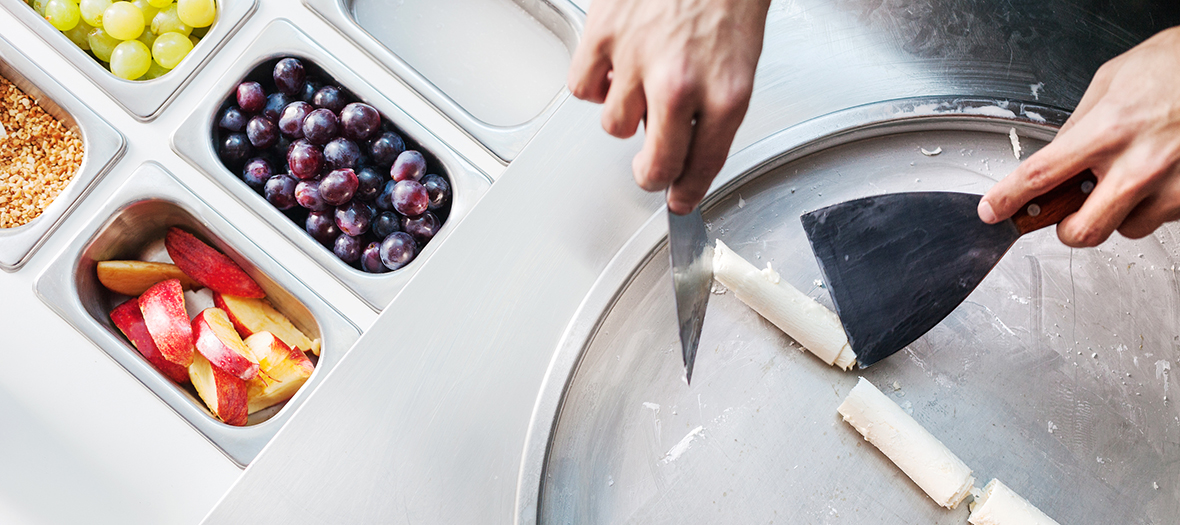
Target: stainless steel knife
column 692, row 278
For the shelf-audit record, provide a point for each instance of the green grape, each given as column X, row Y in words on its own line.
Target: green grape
column 92, row 11
column 39, row 6
column 124, row 21
column 102, row 44
column 170, row 49
column 130, row 60
column 197, row 13
column 147, row 37
column 148, row 11
column 63, row 14
column 79, row 35
column 159, row 4
column 167, row 21
column 154, row 71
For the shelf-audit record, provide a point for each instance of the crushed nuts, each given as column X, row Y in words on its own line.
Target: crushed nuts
column 38, row 157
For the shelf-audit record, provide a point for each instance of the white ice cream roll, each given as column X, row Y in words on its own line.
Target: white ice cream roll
column 999, row 505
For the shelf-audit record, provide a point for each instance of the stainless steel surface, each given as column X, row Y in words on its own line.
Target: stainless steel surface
column 141, row 211
column 102, row 144
column 691, row 256
column 143, row 100
column 503, row 139
column 192, row 141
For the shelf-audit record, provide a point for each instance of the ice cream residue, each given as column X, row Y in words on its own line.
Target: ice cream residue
column 1016, row 149
column 680, row 448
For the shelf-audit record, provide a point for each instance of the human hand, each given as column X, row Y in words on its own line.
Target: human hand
column 685, row 68
column 1126, row 129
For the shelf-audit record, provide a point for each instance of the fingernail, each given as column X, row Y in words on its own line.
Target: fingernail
column 986, row 213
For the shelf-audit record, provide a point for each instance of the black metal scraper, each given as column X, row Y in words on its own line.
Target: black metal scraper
column 898, row 264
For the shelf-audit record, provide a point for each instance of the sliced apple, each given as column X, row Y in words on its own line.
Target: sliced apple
column 162, row 307
column 224, row 394
column 284, row 370
column 129, row 320
column 251, row 316
column 208, row 266
column 135, row 277
column 218, row 341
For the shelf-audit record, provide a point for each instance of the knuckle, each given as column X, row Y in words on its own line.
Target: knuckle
column 1083, row 236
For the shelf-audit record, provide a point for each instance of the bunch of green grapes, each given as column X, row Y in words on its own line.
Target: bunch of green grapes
column 136, row 40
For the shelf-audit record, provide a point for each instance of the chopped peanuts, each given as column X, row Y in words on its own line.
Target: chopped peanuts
column 38, row 157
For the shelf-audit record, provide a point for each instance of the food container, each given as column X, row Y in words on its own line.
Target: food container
column 102, row 144
column 141, row 211
column 142, row 99
column 513, row 59
column 193, row 141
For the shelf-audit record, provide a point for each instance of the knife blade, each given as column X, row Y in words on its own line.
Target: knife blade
column 692, row 277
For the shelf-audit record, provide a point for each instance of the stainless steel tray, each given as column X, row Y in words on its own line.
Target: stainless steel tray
column 141, row 210
column 561, row 17
column 1045, row 377
column 193, row 141
column 103, row 146
column 143, row 100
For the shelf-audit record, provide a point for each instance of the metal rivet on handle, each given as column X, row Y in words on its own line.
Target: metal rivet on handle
column 1087, row 186
column 1034, row 210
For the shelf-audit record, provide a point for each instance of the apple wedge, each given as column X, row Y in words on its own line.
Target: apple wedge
column 251, row 316
column 129, row 320
column 135, row 277
column 208, row 266
column 224, row 394
column 284, row 370
column 162, row 307
column 217, row 340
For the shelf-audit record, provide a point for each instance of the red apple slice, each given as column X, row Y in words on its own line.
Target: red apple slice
column 224, row 394
column 129, row 320
column 219, row 343
column 286, row 369
column 251, row 316
column 208, row 266
column 162, row 306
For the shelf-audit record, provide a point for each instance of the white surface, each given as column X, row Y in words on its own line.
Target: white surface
column 1000, row 505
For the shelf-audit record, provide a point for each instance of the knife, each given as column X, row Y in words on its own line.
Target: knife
column 692, row 277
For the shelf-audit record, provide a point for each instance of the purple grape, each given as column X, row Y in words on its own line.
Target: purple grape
column 369, row 184
column 341, row 153
column 347, row 248
column 256, row 172
column 262, row 132
column 438, row 189
column 321, row 225
column 320, row 126
column 232, row 119
column 291, row 119
column 307, row 93
column 384, row 224
column 359, row 121
column 384, row 200
column 409, row 198
column 329, row 97
column 305, row 160
column 274, row 106
column 410, row 165
column 354, row 218
column 307, row 193
column 251, row 97
column 338, row 186
column 235, row 149
column 386, row 147
column 280, row 191
column 422, row 228
column 398, row 250
column 371, row 259
column 289, row 76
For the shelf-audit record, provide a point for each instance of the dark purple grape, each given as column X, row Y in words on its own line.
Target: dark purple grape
column 359, row 121
column 320, row 126
column 410, row 165
column 256, row 172
column 347, row 248
column 409, row 198
column 354, row 218
column 386, row 147
column 341, row 153
column 329, row 97
column 307, row 193
column 232, row 119
column 422, row 228
column 398, row 250
column 280, row 191
column 338, row 186
column 235, row 150
column 384, row 224
column 274, row 106
column 369, row 184
column 251, row 97
column 438, row 189
column 291, row 119
column 305, row 160
column 262, row 132
column 308, row 92
column 384, row 200
column 371, row 259
column 289, row 76
column 321, row 225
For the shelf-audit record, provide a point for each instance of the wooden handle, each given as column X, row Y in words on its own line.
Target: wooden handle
column 1059, row 202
